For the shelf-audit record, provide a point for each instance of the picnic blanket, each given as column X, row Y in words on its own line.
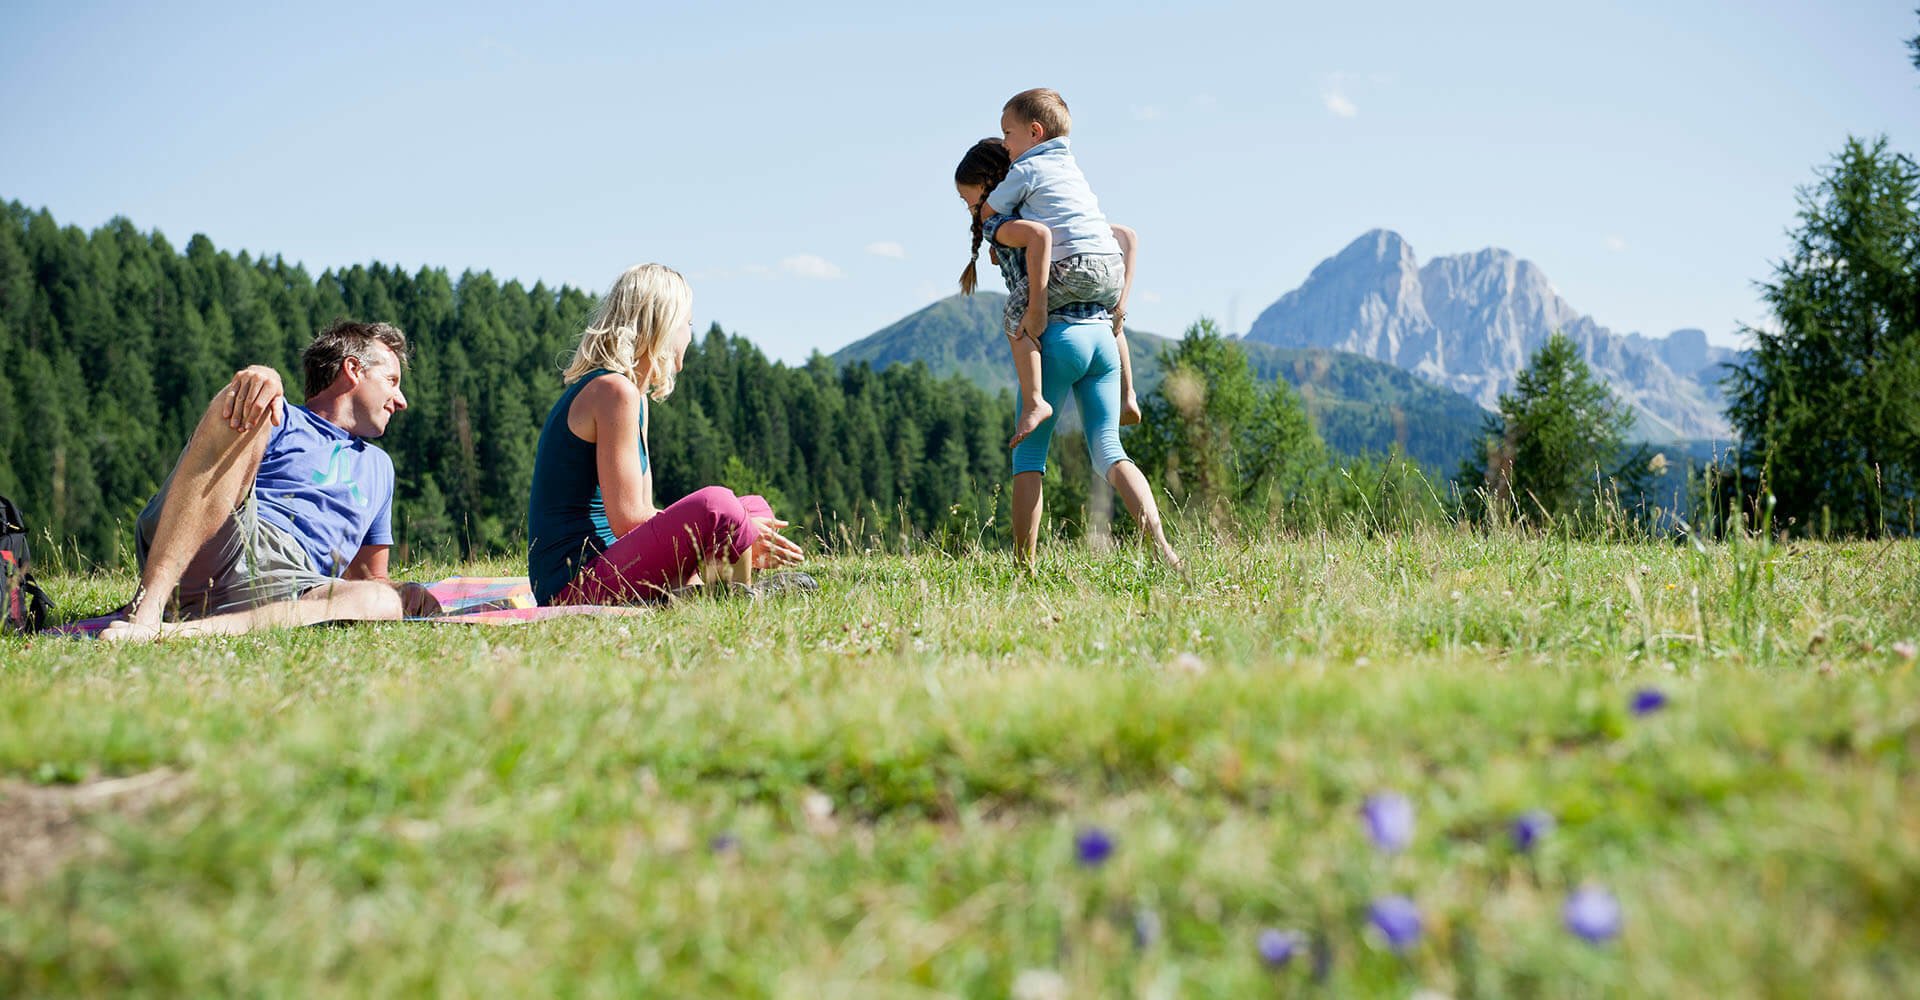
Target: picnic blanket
column 464, row 600
column 503, row 600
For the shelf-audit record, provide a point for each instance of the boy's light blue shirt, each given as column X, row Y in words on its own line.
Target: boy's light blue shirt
column 1046, row 186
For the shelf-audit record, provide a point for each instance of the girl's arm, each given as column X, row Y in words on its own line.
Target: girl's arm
column 1129, row 245
column 1037, row 241
column 614, row 409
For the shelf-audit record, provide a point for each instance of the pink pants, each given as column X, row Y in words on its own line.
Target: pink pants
column 666, row 551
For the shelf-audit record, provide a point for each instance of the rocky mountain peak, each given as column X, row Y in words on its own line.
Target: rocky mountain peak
column 1470, row 321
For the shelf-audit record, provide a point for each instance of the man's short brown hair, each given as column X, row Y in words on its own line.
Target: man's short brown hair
column 345, row 339
column 1043, row 105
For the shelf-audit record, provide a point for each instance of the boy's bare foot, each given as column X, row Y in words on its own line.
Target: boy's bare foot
column 1129, row 410
column 1032, row 415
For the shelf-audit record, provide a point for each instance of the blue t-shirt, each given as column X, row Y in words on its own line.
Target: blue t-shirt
column 327, row 488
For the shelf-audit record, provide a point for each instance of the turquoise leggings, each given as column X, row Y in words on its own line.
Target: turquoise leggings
column 1080, row 357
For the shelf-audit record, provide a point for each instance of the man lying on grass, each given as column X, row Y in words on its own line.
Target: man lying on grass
column 276, row 514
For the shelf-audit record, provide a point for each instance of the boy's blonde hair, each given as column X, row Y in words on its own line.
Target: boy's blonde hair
column 1043, row 105
column 632, row 329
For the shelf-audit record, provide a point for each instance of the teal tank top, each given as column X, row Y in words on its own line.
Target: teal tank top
column 566, row 515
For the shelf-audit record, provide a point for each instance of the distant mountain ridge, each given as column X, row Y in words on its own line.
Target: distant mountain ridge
column 1470, row 321
column 1359, row 405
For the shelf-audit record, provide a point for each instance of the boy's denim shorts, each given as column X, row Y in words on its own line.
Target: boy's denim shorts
column 1083, row 286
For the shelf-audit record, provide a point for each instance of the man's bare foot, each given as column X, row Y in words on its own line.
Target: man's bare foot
column 1032, row 415
column 126, row 631
column 1129, row 410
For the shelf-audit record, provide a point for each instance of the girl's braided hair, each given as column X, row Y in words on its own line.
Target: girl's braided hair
column 986, row 165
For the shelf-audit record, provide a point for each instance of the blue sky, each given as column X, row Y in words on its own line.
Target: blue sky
column 795, row 162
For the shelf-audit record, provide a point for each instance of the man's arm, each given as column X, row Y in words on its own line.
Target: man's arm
column 370, row 563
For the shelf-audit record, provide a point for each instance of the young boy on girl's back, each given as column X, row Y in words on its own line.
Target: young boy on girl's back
column 1046, row 186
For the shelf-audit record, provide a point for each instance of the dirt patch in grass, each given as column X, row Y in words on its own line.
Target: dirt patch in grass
column 44, row 826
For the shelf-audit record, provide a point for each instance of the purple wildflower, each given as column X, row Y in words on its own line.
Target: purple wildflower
column 1277, row 947
column 723, row 843
column 1593, row 913
column 1397, row 919
column 1529, row 827
column 1389, row 820
column 1093, row 847
column 1647, row 701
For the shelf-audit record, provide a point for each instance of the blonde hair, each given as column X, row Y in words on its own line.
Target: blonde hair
column 1043, row 105
column 632, row 329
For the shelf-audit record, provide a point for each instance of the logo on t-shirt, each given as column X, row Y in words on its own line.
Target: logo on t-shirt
column 339, row 471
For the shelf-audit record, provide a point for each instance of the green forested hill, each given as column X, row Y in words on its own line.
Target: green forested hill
column 955, row 336
column 112, row 342
column 1359, row 405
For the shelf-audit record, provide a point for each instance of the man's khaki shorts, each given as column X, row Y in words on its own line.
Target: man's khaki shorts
column 248, row 563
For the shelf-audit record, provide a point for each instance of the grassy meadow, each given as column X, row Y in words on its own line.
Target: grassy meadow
column 880, row 790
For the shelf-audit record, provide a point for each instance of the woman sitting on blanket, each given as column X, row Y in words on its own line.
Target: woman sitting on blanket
column 596, row 535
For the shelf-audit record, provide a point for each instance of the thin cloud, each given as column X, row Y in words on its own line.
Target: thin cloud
column 1148, row 113
column 887, row 248
column 1150, row 298
column 811, row 266
column 1337, row 103
column 1616, row 244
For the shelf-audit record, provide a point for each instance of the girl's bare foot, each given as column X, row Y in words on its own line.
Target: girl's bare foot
column 1033, row 413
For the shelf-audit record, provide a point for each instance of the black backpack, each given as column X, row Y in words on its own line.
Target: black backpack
column 23, row 605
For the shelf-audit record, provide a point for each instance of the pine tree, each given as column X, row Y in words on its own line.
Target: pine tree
column 1283, row 460
column 1913, row 45
column 1558, row 443
column 1825, row 406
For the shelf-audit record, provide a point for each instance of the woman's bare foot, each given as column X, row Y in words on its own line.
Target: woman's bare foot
column 1033, row 413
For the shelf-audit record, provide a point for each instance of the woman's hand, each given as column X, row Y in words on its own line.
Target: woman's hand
column 773, row 549
column 254, row 394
